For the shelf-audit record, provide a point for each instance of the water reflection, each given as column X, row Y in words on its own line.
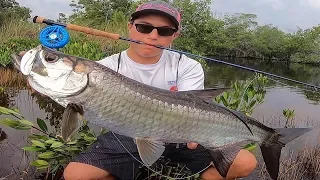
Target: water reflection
column 222, row 75
column 6, row 97
column 313, row 96
column 53, row 110
column 16, row 160
column 3, row 135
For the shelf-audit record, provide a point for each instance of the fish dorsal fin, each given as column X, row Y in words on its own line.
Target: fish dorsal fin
column 150, row 150
column 207, row 94
column 71, row 120
column 223, row 157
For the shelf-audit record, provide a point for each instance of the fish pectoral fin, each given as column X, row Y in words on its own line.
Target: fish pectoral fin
column 71, row 120
column 223, row 157
column 150, row 150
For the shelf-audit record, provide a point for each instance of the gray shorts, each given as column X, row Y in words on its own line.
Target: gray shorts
column 108, row 154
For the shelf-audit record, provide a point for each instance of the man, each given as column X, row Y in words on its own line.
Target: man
column 155, row 23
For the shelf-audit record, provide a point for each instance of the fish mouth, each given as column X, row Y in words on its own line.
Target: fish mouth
column 23, row 62
column 16, row 60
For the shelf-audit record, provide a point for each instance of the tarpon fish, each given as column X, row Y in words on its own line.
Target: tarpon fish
column 151, row 116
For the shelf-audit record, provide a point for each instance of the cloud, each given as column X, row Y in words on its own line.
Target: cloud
column 286, row 15
column 311, row 3
column 47, row 8
column 274, row 4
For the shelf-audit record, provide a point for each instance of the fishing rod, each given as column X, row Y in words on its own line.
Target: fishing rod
column 55, row 36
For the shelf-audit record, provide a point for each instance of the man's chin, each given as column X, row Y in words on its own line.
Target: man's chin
column 147, row 52
column 150, row 53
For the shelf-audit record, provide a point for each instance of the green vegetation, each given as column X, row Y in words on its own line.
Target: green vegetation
column 289, row 115
column 246, row 95
column 52, row 152
column 10, row 9
column 237, row 35
column 15, row 45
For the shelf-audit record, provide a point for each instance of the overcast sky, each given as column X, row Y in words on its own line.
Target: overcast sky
column 285, row 14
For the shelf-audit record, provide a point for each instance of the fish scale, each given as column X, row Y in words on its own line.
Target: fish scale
column 150, row 115
column 175, row 120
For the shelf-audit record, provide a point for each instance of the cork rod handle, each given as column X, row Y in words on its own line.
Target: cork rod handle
column 86, row 30
column 92, row 31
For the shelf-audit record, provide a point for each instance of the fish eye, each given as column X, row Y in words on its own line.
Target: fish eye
column 51, row 58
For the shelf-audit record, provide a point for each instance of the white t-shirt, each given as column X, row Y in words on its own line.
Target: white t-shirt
column 162, row 74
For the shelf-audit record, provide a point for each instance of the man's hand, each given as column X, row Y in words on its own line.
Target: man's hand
column 192, row 145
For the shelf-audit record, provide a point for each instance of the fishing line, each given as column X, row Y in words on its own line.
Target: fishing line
column 152, row 169
column 95, row 32
column 294, row 87
column 230, row 64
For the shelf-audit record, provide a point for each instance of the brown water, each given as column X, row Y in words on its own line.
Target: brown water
column 306, row 105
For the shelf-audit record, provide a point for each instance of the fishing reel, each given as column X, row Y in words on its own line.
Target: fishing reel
column 54, row 36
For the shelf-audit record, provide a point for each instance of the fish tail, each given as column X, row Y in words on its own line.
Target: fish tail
column 271, row 147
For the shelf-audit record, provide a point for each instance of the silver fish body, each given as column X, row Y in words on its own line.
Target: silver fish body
column 148, row 114
column 130, row 108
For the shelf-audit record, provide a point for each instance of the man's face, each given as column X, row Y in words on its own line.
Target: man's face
column 151, row 38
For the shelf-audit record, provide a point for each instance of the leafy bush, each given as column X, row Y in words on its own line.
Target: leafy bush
column 245, row 95
column 81, row 48
column 52, row 151
column 15, row 45
column 89, row 50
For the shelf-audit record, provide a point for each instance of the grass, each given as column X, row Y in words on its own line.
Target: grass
column 164, row 169
column 301, row 165
column 16, row 36
column 12, row 78
column 109, row 46
column 16, row 29
column 23, row 29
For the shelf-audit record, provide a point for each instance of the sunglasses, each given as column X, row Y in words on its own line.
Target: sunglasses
column 162, row 31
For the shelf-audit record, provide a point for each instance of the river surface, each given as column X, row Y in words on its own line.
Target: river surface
column 280, row 95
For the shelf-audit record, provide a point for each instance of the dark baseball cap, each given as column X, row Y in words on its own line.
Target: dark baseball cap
column 158, row 7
